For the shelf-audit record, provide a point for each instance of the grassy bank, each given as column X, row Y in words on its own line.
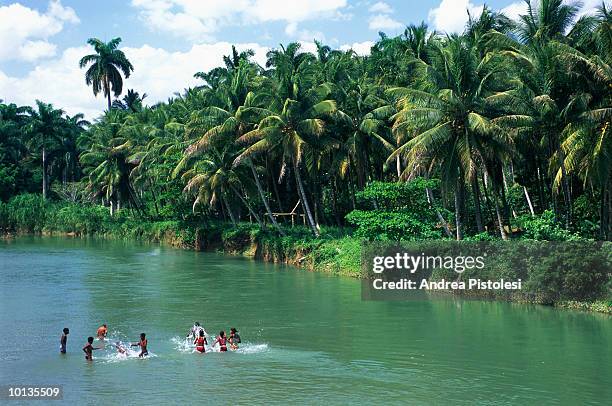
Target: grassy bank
column 335, row 252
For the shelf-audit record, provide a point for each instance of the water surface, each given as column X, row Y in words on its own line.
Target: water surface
column 307, row 337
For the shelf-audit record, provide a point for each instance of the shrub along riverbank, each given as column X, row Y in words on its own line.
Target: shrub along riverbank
column 336, row 251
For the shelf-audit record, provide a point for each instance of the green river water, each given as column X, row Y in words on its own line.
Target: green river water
column 307, row 337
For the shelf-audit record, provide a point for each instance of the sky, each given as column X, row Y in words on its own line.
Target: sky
column 167, row 41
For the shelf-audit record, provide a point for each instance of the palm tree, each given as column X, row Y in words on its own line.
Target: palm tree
column 292, row 132
column 104, row 73
column 222, row 122
column 214, row 177
column 45, row 129
column 448, row 123
column 132, row 101
column 108, row 166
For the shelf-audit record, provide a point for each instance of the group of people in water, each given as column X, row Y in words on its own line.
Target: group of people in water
column 196, row 333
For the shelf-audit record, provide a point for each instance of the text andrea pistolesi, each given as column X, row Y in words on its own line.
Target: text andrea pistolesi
column 403, row 271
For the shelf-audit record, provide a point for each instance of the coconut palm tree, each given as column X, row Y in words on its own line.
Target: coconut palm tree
column 292, row 132
column 45, row 129
column 448, row 124
column 215, row 177
column 105, row 68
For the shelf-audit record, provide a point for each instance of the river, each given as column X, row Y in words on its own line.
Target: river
column 306, row 337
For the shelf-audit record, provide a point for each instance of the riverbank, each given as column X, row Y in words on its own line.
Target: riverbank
column 335, row 252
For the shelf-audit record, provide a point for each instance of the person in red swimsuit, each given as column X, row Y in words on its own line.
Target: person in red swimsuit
column 222, row 340
column 143, row 345
column 200, row 342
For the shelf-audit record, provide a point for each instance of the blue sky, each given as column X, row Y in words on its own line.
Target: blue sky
column 169, row 40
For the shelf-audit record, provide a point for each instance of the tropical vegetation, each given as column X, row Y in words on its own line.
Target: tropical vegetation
column 500, row 132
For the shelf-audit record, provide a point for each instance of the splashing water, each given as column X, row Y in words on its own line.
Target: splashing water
column 185, row 345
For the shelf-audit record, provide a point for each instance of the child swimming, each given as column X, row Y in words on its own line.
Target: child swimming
column 200, row 342
column 194, row 333
column 234, row 338
column 89, row 348
column 102, row 331
column 64, row 340
column 222, row 340
column 120, row 348
column 143, row 345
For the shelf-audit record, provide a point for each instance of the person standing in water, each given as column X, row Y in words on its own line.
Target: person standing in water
column 89, row 348
column 102, row 331
column 200, row 342
column 143, row 345
column 234, row 338
column 222, row 340
column 64, row 340
column 195, row 331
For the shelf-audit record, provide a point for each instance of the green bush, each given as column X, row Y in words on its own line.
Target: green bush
column 403, row 212
column 27, row 212
column 543, row 227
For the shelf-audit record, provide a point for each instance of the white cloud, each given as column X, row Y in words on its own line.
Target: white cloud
column 360, row 48
column 157, row 72
column 451, row 15
column 590, row 6
column 383, row 22
column 24, row 32
column 197, row 20
column 380, row 7
column 303, row 35
column 515, row 10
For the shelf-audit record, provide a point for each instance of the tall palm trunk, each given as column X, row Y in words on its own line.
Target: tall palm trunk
column 605, row 213
column 302, row 193
column 248, row 206
column 528, row 201
column 432, row 204
column 458, row 206
column 264, row 198
column 228, row 208
column 477, row 204
column 500, row 220
column 44, row 171
column 107, row 90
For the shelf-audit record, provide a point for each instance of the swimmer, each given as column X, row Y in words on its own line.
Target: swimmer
column 64, row 340
column 143, row 345
column 102, row 331
column 234, row 339
column 195, row 331
column 222, row 340
column 120, row 348
column 88, row 349
column 200, row 342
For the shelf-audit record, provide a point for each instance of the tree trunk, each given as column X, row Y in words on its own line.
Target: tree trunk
column 566, row 193
column 432, row 204
column 108, row 92
column 112, row 207
column 528, row 201
column 264, row 199
column 458, row 205
column 398, row 167
column 228, row 208
column 335, row 201
column 500, row 220
column 44, row 172
column 305, row 205
column 605, row 213
column 248, row 206
column 477, row 205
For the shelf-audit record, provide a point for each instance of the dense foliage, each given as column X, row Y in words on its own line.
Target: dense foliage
column 499, row 132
